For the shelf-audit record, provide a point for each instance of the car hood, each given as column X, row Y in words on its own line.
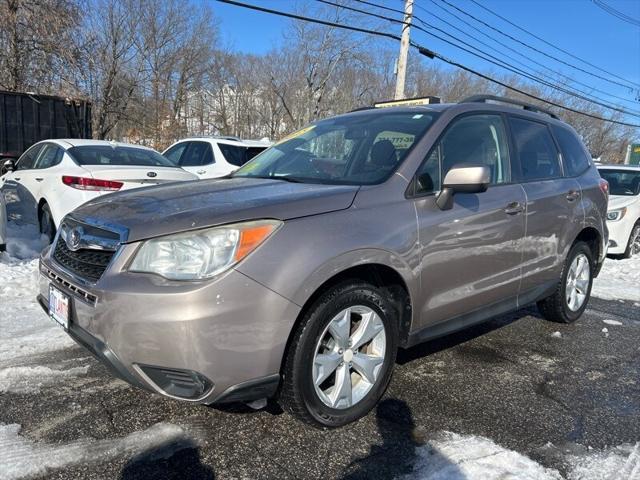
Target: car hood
column 177, row 207
column 620, row 201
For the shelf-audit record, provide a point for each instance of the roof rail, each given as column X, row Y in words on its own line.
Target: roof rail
column 225, row 137
column 495, row 98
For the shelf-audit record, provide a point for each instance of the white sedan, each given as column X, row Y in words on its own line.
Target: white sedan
column 623, row 214
column 53, row 177
column 213, row 157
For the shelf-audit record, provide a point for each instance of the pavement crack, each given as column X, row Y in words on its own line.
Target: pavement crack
column 109, row 414
column 542, row 389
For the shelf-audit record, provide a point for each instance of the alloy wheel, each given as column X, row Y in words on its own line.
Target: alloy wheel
column 578, row 280
column 635, row 241
column 349, row 357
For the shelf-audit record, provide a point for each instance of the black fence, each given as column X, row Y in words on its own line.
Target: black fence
column 28, row 118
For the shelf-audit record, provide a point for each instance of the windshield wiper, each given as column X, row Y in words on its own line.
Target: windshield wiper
column 284, row 178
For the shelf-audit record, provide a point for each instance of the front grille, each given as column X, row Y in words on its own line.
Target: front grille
column 85, row 263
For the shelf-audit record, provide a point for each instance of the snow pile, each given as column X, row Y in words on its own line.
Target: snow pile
column 621, row 462
column 31, row 379
column 25, row 329
column 452, row 456
column 24, row 241
column 21, row 457
column 618, row 280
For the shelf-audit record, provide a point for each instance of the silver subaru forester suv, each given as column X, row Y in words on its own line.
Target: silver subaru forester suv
column 300, row 275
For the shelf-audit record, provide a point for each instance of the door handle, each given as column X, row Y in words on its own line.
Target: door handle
column 17, row 179
column 201, row 172
column 573, row 195
column 514, row 208
column 39, row 179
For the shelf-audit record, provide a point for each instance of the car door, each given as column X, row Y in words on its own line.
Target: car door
column 554, row 215
column 198, row 159
column 19, row 187
column 471, row 254
column 49, row 156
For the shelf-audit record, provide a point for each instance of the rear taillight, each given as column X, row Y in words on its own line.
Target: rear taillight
column 604, row 186
column 83, row 183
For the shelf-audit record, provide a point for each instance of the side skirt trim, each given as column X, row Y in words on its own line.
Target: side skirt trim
column 478, row 316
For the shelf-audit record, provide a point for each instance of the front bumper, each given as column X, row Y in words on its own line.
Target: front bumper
column 231, row 331
column 619, row 233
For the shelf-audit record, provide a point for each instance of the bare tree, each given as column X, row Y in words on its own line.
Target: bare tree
column 38, row 49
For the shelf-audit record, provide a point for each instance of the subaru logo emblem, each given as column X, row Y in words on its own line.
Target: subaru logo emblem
column 152, row 174
column 74, row 238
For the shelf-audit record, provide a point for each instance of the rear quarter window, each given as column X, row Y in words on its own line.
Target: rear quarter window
column 574, row 156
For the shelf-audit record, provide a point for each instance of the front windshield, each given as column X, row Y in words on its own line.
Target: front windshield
column 622, row 182
column 360, row 149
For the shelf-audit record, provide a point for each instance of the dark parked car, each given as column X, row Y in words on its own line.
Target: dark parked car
column 300, row 275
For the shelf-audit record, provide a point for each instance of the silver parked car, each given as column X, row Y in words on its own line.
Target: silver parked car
column 300, row 275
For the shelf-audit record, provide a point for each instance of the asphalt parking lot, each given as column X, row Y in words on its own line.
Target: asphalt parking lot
column 533, row 387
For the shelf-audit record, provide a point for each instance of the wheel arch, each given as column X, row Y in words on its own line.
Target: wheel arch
column 593, row 238
column 380, row 275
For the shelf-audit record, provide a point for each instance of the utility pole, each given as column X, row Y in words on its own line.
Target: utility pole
column 404, row 50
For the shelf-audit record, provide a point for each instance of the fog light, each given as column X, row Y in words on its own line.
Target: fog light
column 178, row 383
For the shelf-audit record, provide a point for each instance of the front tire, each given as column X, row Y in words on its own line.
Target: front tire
column 572, row 294
column 47, row 227
column 341, row 357
column 633, row 246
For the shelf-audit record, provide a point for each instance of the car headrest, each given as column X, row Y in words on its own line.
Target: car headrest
column 383, row 154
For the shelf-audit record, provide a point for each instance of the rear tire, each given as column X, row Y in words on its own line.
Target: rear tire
column 572, row 293
column 322, row 384
column 47, row 227
column 633, row 246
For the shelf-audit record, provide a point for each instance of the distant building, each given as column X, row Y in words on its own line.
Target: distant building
column 633, row 154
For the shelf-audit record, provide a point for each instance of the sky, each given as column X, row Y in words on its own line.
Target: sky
column 577, row 26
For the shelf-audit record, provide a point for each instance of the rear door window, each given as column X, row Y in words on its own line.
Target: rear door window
column 197, row 155
column 574, row 156
column 234, row 154
column 537, row 154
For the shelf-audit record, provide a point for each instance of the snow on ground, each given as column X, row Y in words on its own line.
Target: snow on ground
column 31, row 379
column 21, row 457
column 618, row 280
column 450, row 456
column 25, row 330
column 619, row 463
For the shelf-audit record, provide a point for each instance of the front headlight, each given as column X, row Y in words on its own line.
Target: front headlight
column 204, row 253
column 615, row 215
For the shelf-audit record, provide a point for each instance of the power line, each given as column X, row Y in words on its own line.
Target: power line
column 534, row 48
column 462, row 20
column 491, row 38
column 549, row 43
column 488, row 57
column 423, row 51
column 616, row 13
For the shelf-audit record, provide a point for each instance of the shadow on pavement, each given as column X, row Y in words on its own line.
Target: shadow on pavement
column 465, row 335
column 177, row 459
column 396, row 454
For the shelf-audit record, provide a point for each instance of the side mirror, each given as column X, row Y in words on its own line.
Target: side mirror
column 463, row 179
column 9, row 165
